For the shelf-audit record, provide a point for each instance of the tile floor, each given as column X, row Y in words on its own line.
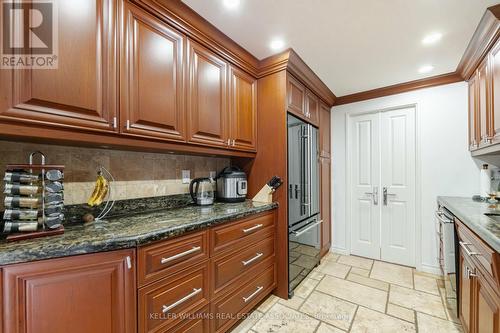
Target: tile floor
column 354, row 294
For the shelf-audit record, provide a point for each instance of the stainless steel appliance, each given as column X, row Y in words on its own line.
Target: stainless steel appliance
column 304, row 221
column 232, row 185
column 448, row 254
column 202, row 191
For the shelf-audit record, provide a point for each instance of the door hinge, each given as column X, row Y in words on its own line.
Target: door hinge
column 129, row 262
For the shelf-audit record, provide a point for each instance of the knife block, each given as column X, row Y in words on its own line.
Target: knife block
column 265, row 195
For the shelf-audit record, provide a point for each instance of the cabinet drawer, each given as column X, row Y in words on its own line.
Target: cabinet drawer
column 472, row 246
column 228, row 310
column 198, row 322
column 164, row 258
column 239, row 234
column 226, row 269
column 168, row 301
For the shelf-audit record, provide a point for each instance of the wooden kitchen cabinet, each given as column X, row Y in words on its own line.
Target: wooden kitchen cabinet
column 82, row 92
column 242, row 110
column 474, row 137
column 152, row 85
column 80, row 294
column 312, row 108
column 483, row 102
column 296, row 96
column 479, row 299
column 324, row 131
column 495, row 92
column 207, row 103
column 326, row 227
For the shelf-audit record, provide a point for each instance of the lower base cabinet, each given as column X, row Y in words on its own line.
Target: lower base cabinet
column 479, row 299
column 81, row 294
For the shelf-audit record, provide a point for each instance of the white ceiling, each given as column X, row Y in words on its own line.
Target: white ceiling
column 354, row 45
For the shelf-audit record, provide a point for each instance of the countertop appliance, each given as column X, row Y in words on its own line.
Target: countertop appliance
column 232, row 185
column 448, row 253
column 304, row 221
column 202, row 191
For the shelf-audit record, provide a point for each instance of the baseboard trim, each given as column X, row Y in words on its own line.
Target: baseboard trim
column 340, row 250
column 430, row 269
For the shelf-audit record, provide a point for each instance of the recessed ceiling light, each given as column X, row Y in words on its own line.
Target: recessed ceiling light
column 426, row 69
column 231, row 4
column 432, row 38
column 277, row 44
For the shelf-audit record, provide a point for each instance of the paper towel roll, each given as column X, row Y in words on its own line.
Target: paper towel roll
column 485, row 182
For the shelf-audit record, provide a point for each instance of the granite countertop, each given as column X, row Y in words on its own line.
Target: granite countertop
column 471, row 213
column 127, row 232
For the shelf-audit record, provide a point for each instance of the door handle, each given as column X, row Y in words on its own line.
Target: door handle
column 297, row 191
column 374, row 195
column 385, row 195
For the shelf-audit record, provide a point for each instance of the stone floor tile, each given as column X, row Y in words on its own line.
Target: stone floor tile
column 295, row 302
column 285, row 320
column 325, row 328
column 305, row 287
column 434, row 276
column 417, row 300
column 315, row 275
column 392, row 273
column 368, row 282
column 246, row 325
column 360, row 271
column 353, row 292
column 333, row 269
column 427, row 284
column 331, row 256
column 400, row 312
column 268, row 303
column 432, row 324
column 356, row 261
column 329, row 309
column 368, row 321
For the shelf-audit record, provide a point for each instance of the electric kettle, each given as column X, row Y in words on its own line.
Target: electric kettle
column 202, row 191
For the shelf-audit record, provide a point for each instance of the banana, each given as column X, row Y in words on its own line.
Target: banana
column 102, row 193
column 97, row 189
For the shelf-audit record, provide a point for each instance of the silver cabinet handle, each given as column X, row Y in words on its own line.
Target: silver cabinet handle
column 463, row 245
column 252, row 295
column 440, row 217
column 228, row 142
column 255, row 227
column 249, row 261
column 195, row 292
column 298, row 233
column 128, row 125
column 180, row 255
column 470, row 273
column 234, row 142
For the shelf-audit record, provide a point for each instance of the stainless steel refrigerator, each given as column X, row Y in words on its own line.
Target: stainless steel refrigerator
column 304, row 221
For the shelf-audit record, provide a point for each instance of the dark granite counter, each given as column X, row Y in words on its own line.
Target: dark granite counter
column 471, row 213
column 126, row 231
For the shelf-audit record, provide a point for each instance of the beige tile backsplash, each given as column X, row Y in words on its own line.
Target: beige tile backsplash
column 137, row 174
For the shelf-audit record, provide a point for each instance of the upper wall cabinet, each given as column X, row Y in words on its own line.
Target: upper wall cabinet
column 81, row 93
column 152, row 88
column 495, row 93
column 473, row 130
column 324, row 131
column 312, row 108
column 302, row 102
column 243, row 110
column 207, row 97
column 483, row 102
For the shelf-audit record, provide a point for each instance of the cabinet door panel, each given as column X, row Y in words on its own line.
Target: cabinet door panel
column 324, row 131
column 487, row 307
column 207, row 100
column 473, row 115
column 89, row 293
column 296, row 96
column 483, row 103
column 326, row 229
column 81, row 92
column 243, row 115
column 466, row 290
column 495, row 92
column 312, row 108
column 152, row 84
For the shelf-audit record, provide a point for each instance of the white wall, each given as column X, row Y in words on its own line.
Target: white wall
column 444, row 164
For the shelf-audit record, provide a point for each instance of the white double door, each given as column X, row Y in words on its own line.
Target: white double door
column 382, row 197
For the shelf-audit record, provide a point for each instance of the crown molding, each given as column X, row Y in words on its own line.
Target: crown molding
column 400, row 88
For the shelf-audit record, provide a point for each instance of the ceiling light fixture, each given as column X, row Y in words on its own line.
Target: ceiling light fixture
column 231, row 4
column 426, row 69
column 277, row 44
column 432, row 38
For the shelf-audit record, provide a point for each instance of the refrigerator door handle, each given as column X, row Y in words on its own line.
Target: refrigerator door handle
column 310, row 157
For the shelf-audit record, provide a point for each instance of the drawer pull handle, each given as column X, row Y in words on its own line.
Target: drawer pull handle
column 249, row 261
column 167, row 308
column 255, row 227
column 463, row 245
column 180, row 255
column 252, row 295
